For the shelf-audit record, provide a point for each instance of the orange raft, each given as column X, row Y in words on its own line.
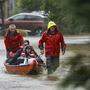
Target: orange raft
column 32, row 68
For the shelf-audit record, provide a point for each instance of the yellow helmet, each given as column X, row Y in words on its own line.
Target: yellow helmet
column 50, row 24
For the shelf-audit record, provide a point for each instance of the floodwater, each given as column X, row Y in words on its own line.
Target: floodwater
column 35, row 82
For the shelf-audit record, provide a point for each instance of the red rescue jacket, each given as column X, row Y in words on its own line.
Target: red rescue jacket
column 13, row 43
column 53, row 43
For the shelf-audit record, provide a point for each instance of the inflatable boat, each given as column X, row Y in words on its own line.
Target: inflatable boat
column 33, row 67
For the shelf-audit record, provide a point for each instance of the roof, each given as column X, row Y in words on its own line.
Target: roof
column 32, row 13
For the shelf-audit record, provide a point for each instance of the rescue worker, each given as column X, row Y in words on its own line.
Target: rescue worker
column 12, row 40
column 53, row 41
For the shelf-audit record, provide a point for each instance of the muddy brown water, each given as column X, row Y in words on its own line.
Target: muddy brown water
column 32, row 82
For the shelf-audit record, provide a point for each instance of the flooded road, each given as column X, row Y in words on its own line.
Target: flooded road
column 18, row 82
column 38, row 82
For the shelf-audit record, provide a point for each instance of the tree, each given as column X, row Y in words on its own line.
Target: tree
column 72, row 16
column 30, row 5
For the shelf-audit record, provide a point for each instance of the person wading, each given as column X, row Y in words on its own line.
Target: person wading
column 12, row 40
column 53, row 41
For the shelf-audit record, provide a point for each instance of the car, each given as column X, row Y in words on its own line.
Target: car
column 34, row 22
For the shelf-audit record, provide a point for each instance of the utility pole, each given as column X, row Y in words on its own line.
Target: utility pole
column 2, row 14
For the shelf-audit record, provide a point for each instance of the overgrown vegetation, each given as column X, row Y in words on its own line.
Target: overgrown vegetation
column 79, row 73
column 72, row 16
